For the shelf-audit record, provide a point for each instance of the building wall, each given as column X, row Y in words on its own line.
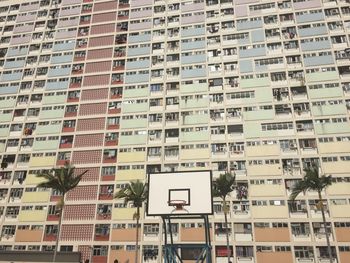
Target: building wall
column 120, row 88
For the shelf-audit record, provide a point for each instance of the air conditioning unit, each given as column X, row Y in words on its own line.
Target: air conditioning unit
column 237, row 207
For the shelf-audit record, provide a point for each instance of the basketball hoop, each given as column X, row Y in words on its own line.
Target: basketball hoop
column 178, row 206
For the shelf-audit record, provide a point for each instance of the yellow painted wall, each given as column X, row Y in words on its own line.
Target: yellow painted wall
column 265, row 169
column 35, row 197
column 266, row 190
column 336, row 167
column 193, row 154
column 334, row 147
column 126, row 175
column 32, row 215
column 340, row 211
column 33, row 180
column 339, row 189
column 269, row 211
column 130, row 157
column 42, row 161
column 263, row 150
column 124, row 213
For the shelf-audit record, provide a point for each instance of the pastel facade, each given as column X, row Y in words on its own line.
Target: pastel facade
column 258, row 88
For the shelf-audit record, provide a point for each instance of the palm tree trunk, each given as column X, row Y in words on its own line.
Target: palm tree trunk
column 227, row 234
column 137, row 234
column 325, row 228
column 60, row 213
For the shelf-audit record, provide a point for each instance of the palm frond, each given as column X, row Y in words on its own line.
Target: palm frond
column 300, row 187
column 311, row 181
column 60, row 179
column 135, row 192
column 223, row 185
column 325, row 181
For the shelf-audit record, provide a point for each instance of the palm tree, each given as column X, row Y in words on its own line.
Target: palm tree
column 314, row 182
column 222, row 187
column 63, row 180
column 136, row 193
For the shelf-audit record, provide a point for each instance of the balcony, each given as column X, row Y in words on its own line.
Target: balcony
column 244, row 236
column 106, row 192
column 301, row 237
column 50, row 237
column 107, row 177
column 65, row 145
column 326, row 260
column 52, row 217
column 7, row 237
column 247, row 259
column 109, row 158
column 102, row 235
column 220, row 231
column 321, row 237
column 300, row 213
column 104, row 212
column 151, row 236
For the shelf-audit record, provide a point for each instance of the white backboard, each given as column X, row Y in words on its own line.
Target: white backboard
column 193, row 188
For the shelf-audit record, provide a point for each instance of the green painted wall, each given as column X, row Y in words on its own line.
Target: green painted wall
column 135, row 107
column 259, row 115
column 51, row 114
column 45, row 145
column 255, row 82
column 325, row 110
column 132, row 93
column 195, row 136
column 194, row 88
column 4, row 132
column 194, row 103
column 133, row 123
column 133, row 140
column 322, row 76
column 325, row 93
column 5, row 117
column 54, row 99
column 329, row 128
column 48, row 129
column 7, row 103
column 196, row 119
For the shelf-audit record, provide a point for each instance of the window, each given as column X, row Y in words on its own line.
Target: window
column 151, row 229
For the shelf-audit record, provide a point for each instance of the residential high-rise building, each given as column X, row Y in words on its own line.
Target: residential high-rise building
column 122, row 88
